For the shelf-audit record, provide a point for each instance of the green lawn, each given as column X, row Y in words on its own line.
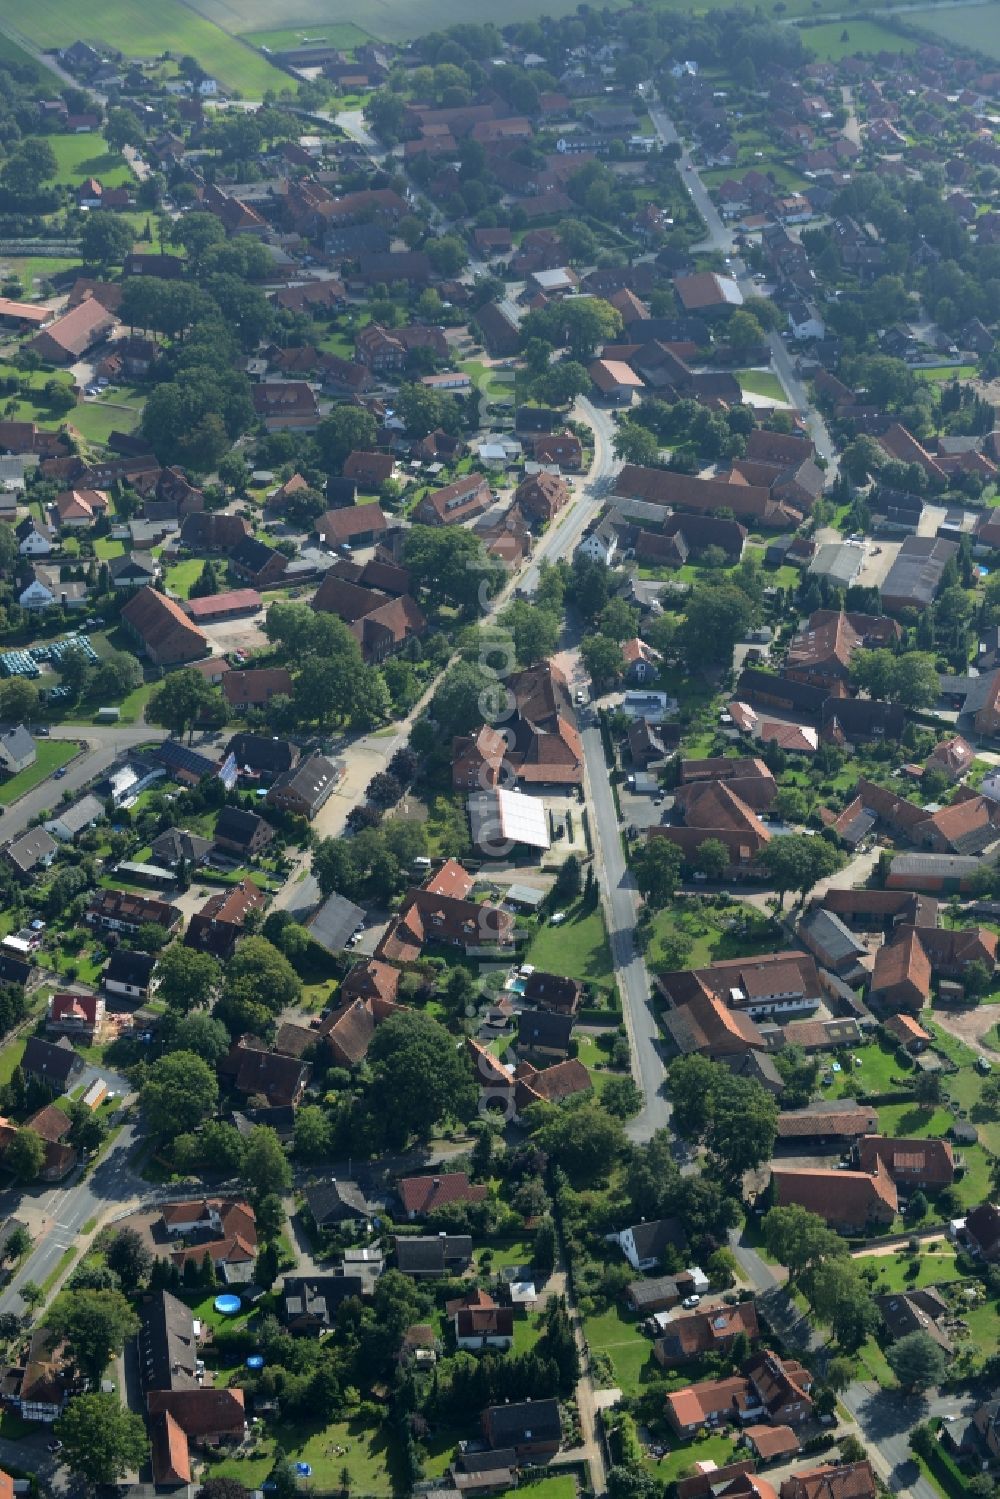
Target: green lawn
column 365, row 1451
column 106, row 548
column 96, row 420
column 878, row 1073
column 51, row 754
column 577, row 949
column 10, row 1057
column 35, row 270
column 949, row 372
column 80, row 156
column 936, row 1263
column 616, row 1334
column 718, row 1449
column 909, row 1121
column 595, row 1059
column 149, row 30
column 762, row 383
column 839, row 39
column 182, row 578
column 876, row 1365
column 706, row 928
column 505, row 1252
column 975, row 26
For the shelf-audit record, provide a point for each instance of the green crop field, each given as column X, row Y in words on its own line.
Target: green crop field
column 389, row 20
column 149, row 30
column 975, row 26
column 839, row 39
column 12, row 53
column 342, row 34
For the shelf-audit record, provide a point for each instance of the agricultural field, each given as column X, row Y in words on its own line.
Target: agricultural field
column 343, row 34
column 976, row 26
column 149, row 30
column 840, row 39
column 10, row 52
column 388, row 20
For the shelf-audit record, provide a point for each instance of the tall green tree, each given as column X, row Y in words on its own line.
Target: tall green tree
column 183, row 700
column 94, row 1325
column 180, row 1092
column 102, row 1440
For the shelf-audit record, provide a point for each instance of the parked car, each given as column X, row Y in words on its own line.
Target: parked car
column 690, row 1302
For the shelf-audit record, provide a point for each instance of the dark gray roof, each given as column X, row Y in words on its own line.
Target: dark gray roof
column 757, row 1065
column 167, row 1346
column 181, row 757
column 545, row 1029
column 430, row 1253
column 126, row 967
column 132, row 565
column 313, row 780
column 17, row 741
column 30, row 849
column 239, row 825
column 318, row 1295
column 175, row 844
column 916, row 572
column 261, row 753
column 55, row 1062
column 651, row 1239
column 14, row 970
column 252, row 554
column 528, row 1421
column 333, row 1200
column 830, row 933
column 334, row 922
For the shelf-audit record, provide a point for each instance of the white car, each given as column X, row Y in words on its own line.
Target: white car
column 690, row 1302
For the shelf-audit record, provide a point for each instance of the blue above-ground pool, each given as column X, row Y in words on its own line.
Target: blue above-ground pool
column 227, row 1306
column 255, row 1361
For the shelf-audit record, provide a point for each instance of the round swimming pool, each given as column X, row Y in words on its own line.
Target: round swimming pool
column 227, row 1306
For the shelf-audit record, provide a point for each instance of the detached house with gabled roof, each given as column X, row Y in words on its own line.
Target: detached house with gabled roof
column 914, row 1163
column 421, row 1195
column 219, row 924
column 460, row 501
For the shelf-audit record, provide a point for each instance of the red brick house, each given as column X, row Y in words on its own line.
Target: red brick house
column 914, row 1163
column 846, row 1200
column 220, row 922
column 460, row 501
column 541, row 497
column 162, row 630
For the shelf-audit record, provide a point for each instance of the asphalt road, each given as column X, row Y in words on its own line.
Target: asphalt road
column 66, row 1209
column 720, row 238
column 884, row 1418
column 621, row 909
column 621, row 900
column 104, row 744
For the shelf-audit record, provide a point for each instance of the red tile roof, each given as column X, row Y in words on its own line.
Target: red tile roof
column 422, row 1194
